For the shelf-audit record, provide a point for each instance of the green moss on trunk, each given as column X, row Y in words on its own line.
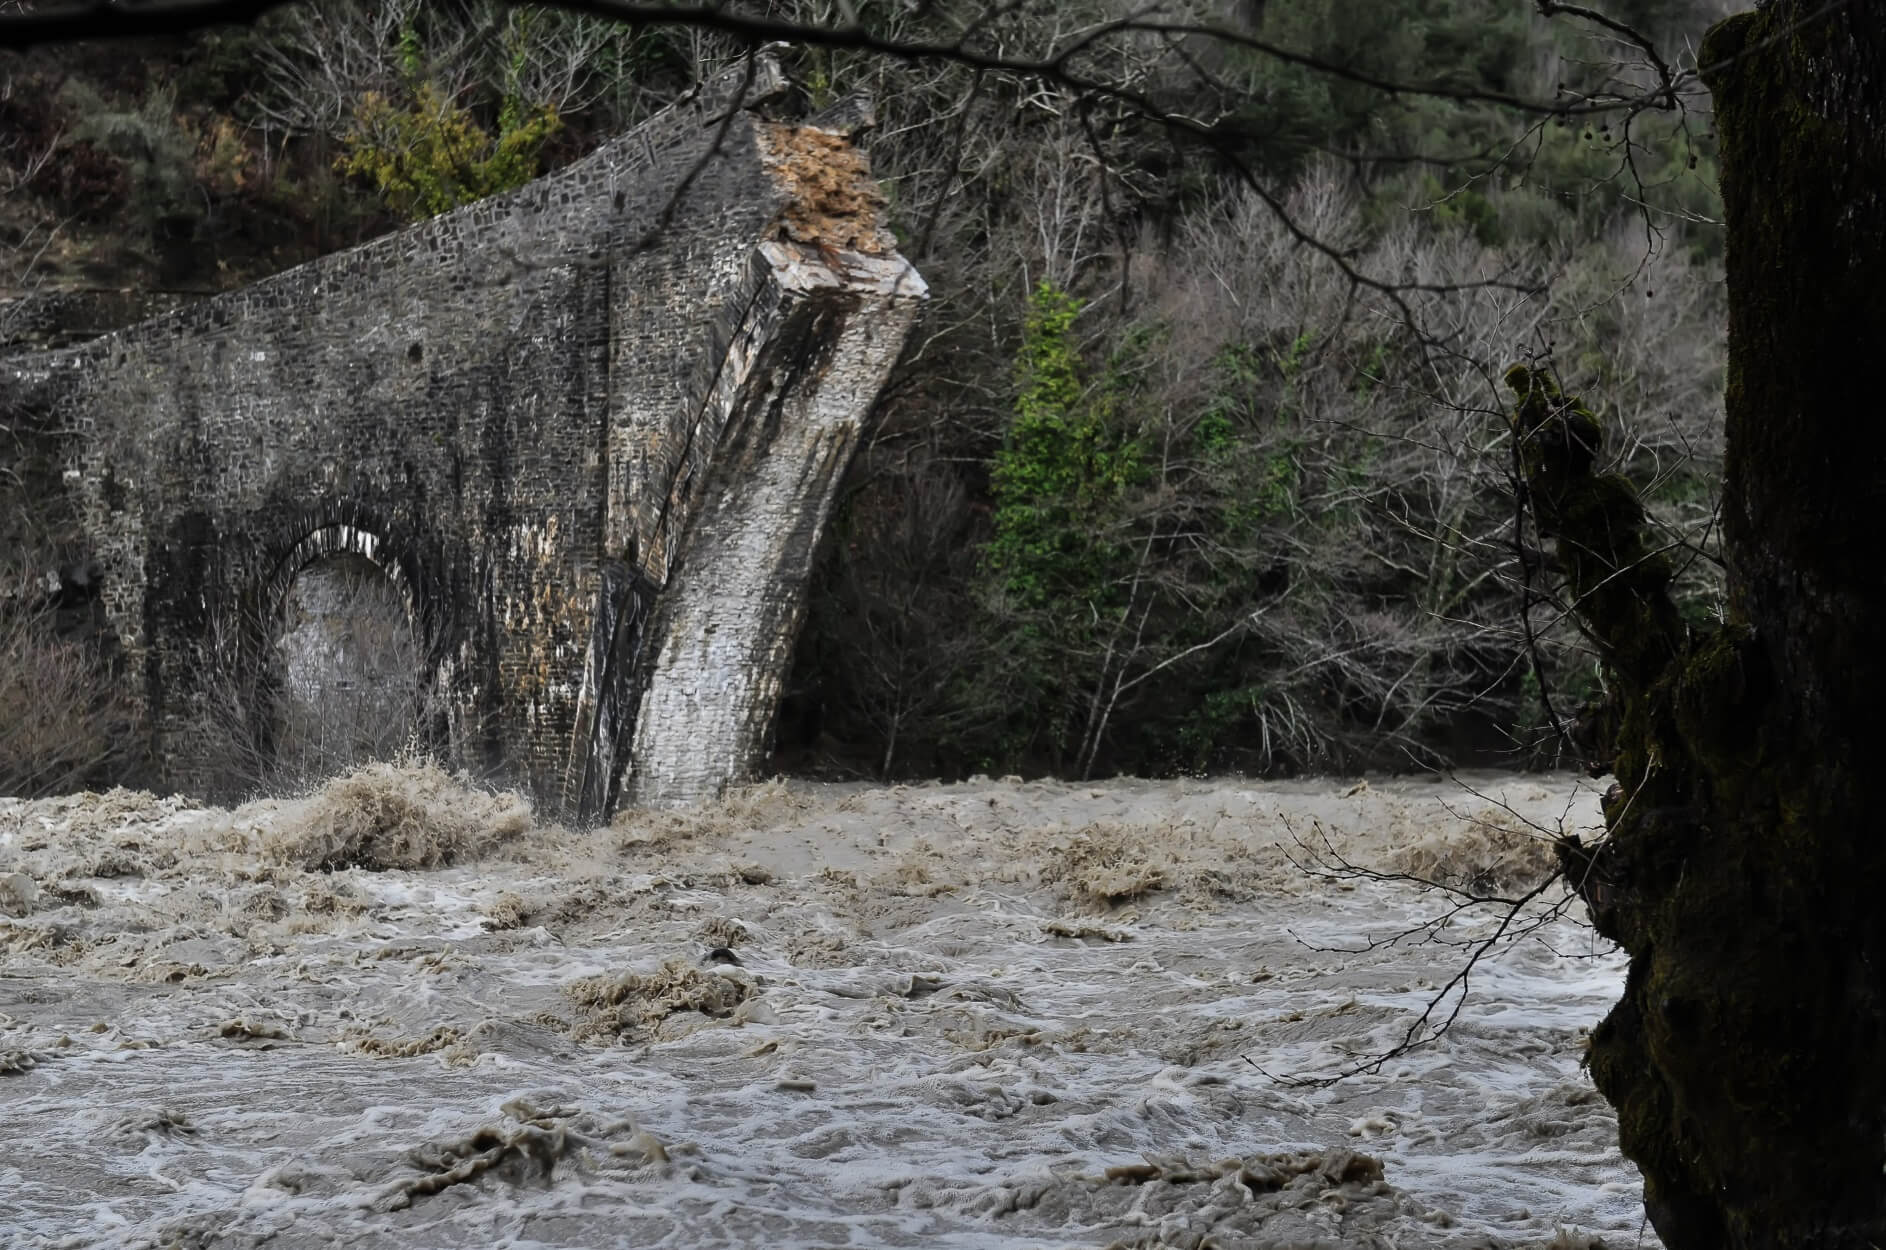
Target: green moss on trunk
column 1745, row 860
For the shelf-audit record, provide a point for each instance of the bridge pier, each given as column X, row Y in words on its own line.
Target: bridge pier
column 724, row 630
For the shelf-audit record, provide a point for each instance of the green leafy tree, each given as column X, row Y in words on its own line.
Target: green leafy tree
column 1062, row 474
column 430, row 155
column 1299, row 111
column 1060, row 488
column 426, row 152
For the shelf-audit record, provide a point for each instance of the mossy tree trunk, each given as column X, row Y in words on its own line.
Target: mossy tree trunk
column 1744, row 867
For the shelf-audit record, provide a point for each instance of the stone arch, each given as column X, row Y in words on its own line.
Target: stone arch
column 352, row 536
column 335, row 699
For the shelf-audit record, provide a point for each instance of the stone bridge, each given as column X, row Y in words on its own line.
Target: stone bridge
column 584, row 436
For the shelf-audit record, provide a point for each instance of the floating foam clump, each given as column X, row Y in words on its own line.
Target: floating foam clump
column 391, row 816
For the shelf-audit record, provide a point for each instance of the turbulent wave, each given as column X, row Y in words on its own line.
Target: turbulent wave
column 399, row 1012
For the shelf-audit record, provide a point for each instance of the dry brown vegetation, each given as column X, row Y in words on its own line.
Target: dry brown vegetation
column 63, row 723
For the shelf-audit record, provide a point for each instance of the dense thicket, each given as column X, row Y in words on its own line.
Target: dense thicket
column 1159, row 486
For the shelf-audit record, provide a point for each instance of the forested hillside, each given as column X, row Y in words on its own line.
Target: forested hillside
column 1197, row 461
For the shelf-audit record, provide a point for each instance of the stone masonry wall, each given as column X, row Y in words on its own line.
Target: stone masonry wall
column 530, row 413
column 823, row 344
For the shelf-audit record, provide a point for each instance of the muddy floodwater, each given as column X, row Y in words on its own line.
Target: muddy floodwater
column 400, row 1013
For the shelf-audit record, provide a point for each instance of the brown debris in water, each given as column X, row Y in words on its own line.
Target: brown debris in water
column 439, row 1039
column 389, row 816
column 170, row 972
column 241, row 1030
column 530, row 1147
column 92, row 813
column 19, row 894
column 523, row 1153
column 507, row 911
column 1103, row 865
column 1263, row 1201
column 60, row 943
column 16, row 1062
column 819, row 950
column 1084, row 929
column 635, row 1003
column 723, row 931
column 742, row 810
column 1490, row 855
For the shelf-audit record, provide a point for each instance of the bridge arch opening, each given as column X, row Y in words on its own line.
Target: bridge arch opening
column 348, row 664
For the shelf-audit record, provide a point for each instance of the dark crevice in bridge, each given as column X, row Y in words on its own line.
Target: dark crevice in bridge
column 623, row 610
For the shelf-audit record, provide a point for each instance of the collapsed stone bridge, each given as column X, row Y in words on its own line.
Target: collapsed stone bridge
column 586, row 434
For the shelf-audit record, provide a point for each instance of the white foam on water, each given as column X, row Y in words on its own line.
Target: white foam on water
column 955, row 1009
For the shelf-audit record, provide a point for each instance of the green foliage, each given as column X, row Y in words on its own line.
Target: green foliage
column 430, row 156
column 1250, row 474
column 1133, row 532
column 1463, row 208
column 1306, row 561
column 1459, row 43
column 1582, row 174
column 428, row 152
column 1481, row 172
column 1059, row 480
column 1370, row 372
